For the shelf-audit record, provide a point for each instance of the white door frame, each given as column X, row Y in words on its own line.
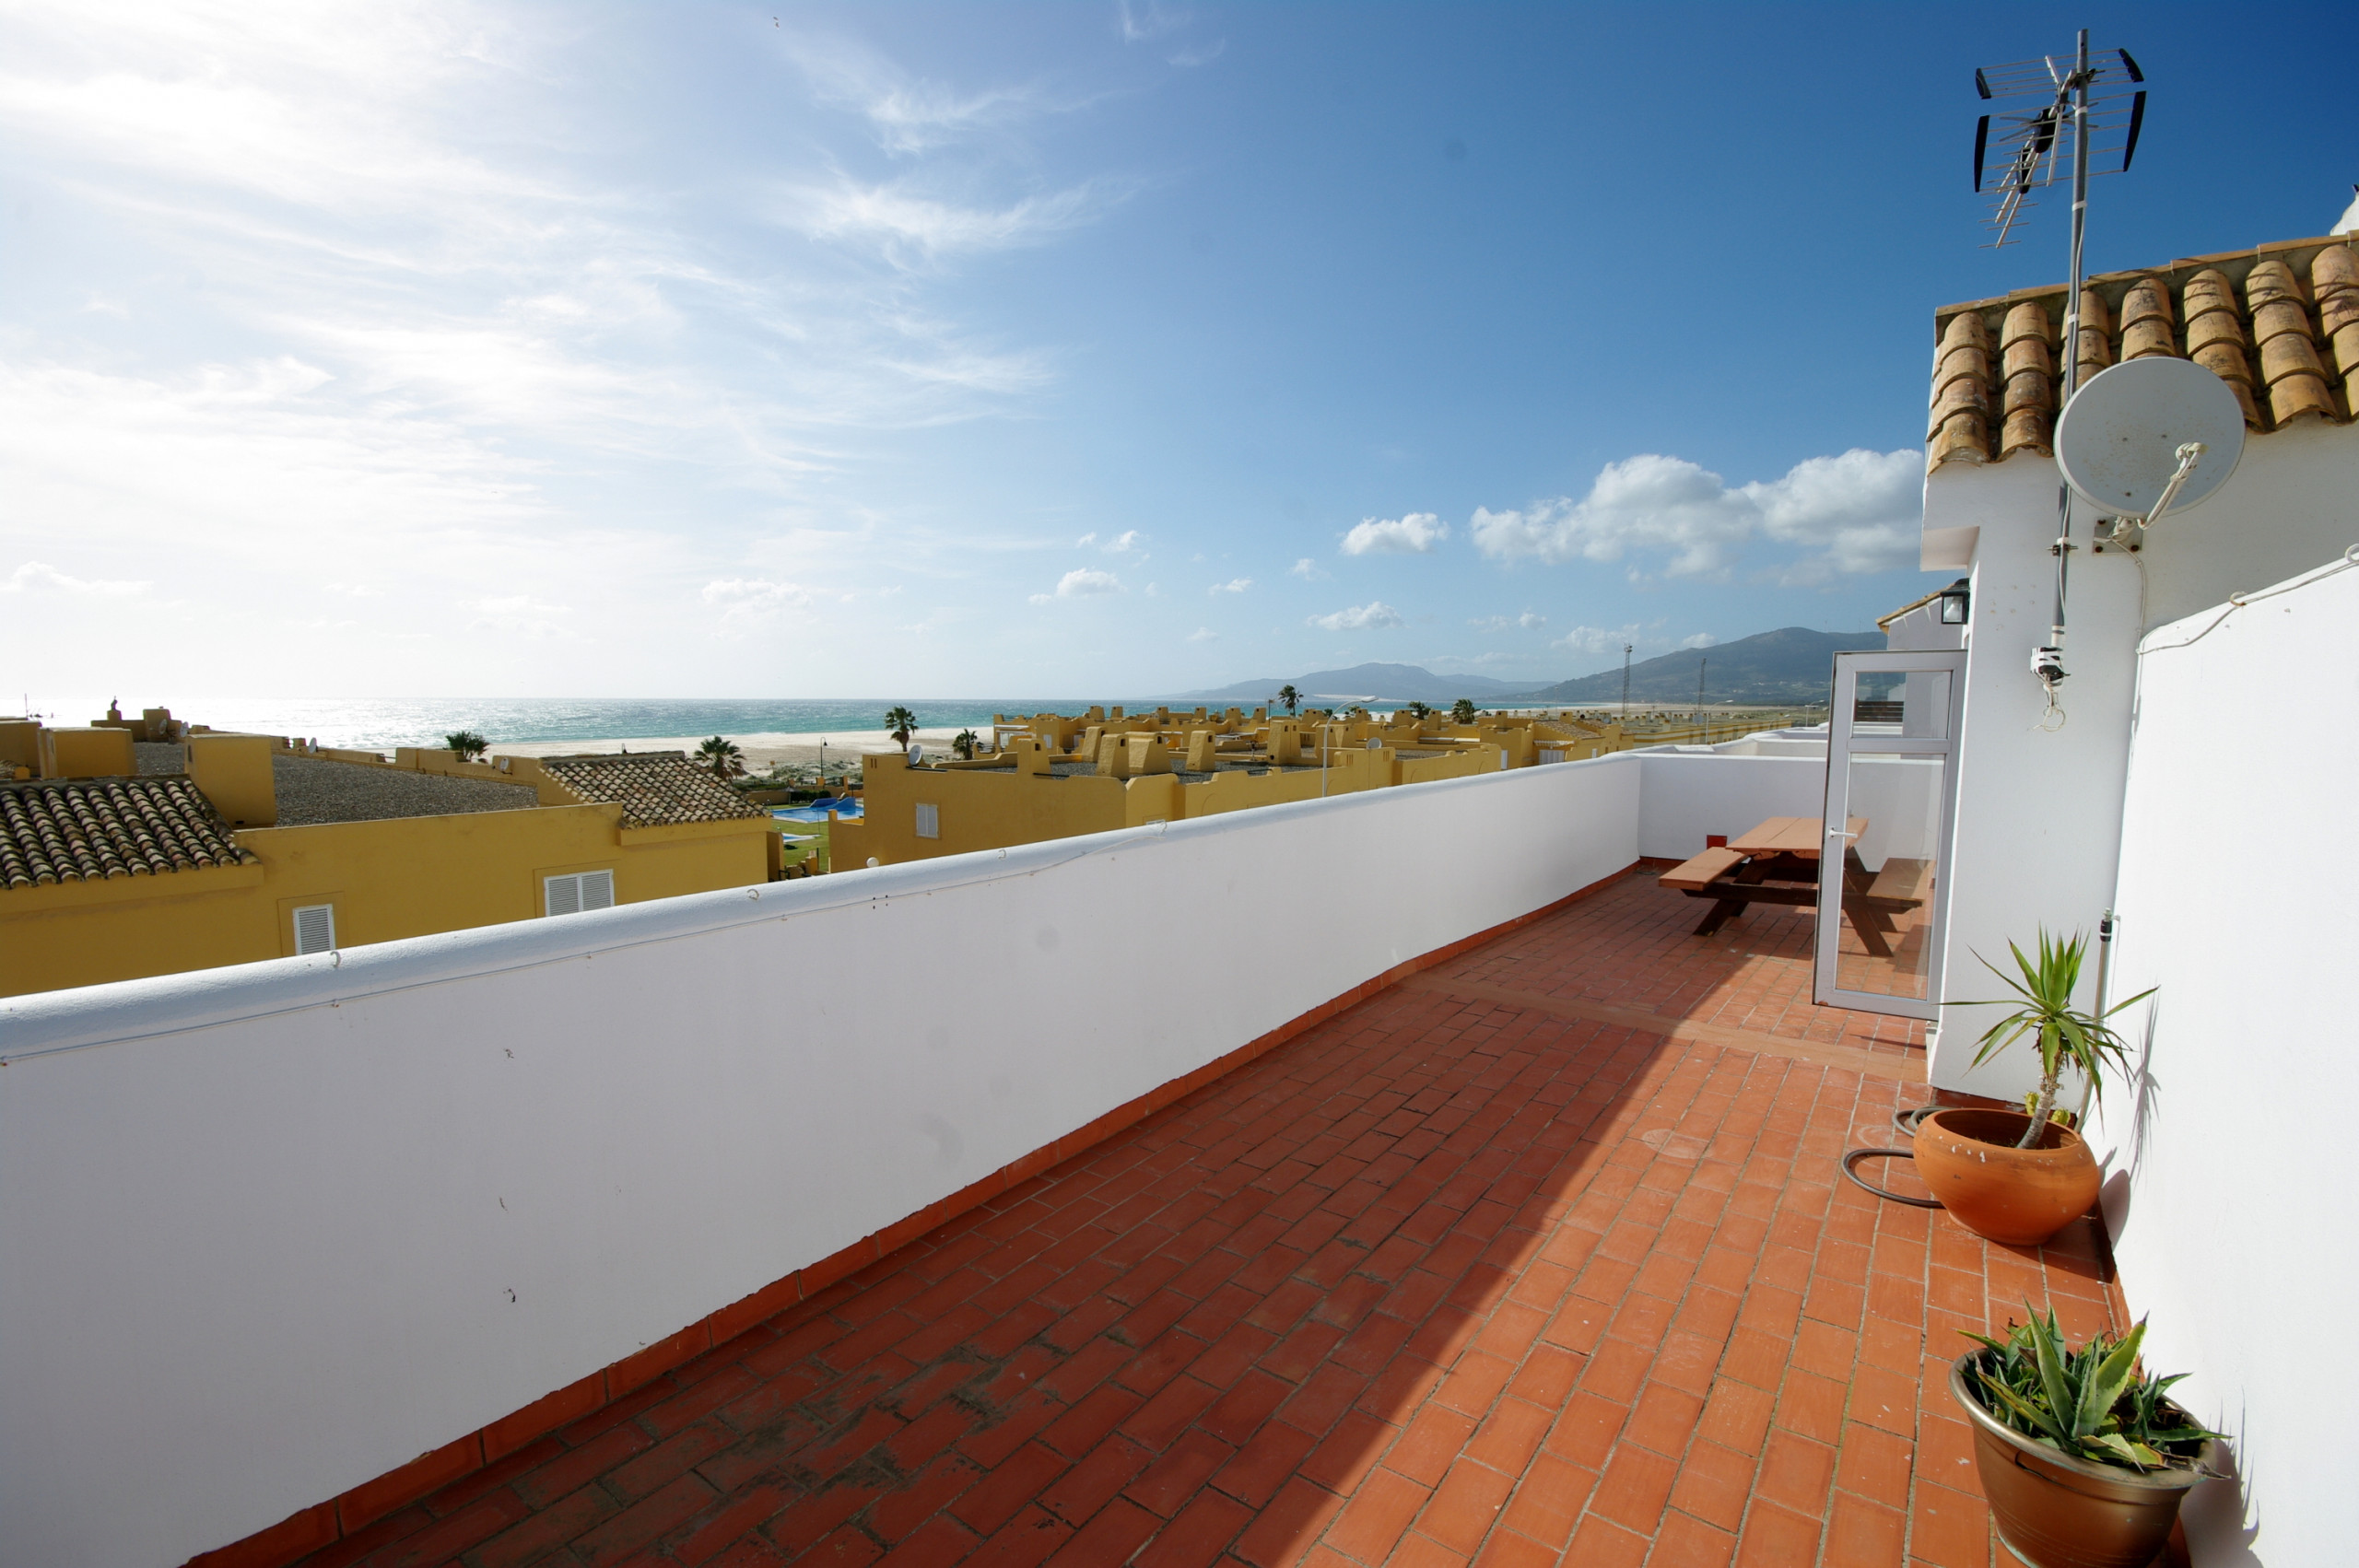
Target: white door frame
column 1835, row 837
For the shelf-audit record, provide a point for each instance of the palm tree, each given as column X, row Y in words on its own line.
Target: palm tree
column 1462, row 711
column 723, row 757
column 900, row 723
column 1290, row 697
column 1418, row 711
column 966, row 743
column 466, row 742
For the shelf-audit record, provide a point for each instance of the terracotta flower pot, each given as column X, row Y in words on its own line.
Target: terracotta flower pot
column 2054, row 1511
column 2021, row 1197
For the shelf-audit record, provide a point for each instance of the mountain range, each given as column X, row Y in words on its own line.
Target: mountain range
column 1791, row 666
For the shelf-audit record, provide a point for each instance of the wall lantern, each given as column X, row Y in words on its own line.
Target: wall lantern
column 1956, row 598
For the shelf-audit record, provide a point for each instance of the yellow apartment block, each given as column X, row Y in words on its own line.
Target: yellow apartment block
column 259, row 851
column 1056, row 775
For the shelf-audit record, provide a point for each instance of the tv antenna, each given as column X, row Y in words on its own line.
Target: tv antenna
column 2062, row 107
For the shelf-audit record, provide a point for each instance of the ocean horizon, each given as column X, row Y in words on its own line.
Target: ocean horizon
column 368, row 724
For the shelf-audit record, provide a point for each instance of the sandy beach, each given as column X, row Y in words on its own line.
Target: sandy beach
column 761, row 750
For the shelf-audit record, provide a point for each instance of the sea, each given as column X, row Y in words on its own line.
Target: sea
column 342, row 722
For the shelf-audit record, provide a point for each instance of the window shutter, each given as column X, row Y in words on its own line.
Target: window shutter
column 929, row 822
column 580, row 891
column 315, row 928
column 1552, row 757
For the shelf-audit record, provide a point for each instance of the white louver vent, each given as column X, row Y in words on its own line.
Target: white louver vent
column 1548, row 755
column 572, row 894
column 315, row 928
column 929, row 822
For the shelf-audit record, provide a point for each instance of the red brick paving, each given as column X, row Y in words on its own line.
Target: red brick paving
column 1413, row 1289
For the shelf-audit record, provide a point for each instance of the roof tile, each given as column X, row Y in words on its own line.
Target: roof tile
column 2283, row 356
column 93, row 830
column 654, row 788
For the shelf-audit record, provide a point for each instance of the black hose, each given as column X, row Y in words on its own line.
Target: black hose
column 1856, row 1155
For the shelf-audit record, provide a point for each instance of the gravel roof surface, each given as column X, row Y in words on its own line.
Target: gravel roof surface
column 314, row 790
column 159, row 757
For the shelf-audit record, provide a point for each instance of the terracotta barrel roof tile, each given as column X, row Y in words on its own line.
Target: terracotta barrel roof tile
column 2029, row 363
column 654, row 788
column 1960, row 423
column 2290, row 367
column 2146, row 321
column 54, row 831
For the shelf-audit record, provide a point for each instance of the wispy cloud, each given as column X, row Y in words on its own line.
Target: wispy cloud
column 37, row 577
column 1415, row 533
column 1528, row 621
column 1081, row 582
column 910, row 114
column 1234, row 585
column 1373, row 615
column 1856, row 512
column 911, row 228
column 1701, row 639
column 1203, row 634
column 1597, row 639
column 1307, row 570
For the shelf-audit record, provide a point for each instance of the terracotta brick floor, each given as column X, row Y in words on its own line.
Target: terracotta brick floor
column 1452, row 1277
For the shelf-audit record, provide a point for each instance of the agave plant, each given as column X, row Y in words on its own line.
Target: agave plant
column 2043, row 1003
column 2091, row 1404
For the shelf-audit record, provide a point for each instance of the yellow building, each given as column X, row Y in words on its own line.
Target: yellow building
column 1056, row 775
column 258, row 851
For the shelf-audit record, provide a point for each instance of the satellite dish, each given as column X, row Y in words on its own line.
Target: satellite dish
column 917, row 754
column 2117, row 441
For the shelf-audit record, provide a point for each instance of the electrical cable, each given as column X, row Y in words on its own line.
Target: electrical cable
column 2239, row 599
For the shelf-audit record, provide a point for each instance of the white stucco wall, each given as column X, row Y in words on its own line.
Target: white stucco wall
column 2040, row 813
column 2233, row 1215
column 269, row 1232
column 1686, row 795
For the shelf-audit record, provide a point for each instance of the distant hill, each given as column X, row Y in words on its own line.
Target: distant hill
column 1363, row 682
column 1794, row 665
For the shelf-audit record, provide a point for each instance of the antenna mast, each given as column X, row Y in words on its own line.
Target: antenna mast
column 1626, row 682
column 2034, row 139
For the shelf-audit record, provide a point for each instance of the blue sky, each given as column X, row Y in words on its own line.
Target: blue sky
column 978, row 350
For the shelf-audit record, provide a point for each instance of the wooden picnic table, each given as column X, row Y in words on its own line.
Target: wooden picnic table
column 1777, row 862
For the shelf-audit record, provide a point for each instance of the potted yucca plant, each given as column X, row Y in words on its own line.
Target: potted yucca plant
column 2014, row 1177
column 2085, row 1460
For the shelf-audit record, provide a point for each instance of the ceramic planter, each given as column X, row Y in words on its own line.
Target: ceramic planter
column 2021, row 1197
column 2054, row 1511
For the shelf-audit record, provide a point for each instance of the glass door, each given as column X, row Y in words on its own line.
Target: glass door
column 1891, row 788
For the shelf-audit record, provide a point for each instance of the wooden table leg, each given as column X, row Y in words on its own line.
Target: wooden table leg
column 1864, row 922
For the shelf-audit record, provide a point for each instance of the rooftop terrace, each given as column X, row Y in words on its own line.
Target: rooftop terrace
column 1540, row 1251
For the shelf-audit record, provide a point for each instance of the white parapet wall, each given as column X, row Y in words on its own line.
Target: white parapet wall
column 269, row 1232
column 1687, row 796
column 2227, row 1197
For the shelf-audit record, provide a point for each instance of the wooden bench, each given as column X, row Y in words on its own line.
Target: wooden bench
column 1902, row 884
column 1696, row 874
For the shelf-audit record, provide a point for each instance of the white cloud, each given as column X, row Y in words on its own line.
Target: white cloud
column 905, row 114
column 1701, row 639
column 1086, row 540
column 1529, row 620
column 1859, row 512
column 1862, row 511
column 1358, row 617
column 1125, row 543
column 910, row 227
column 1307, row 570
column 1203, row 634
column 744, row 600
column 1234, row 585
column 40, row 576
column 519, row 614
column 1413, row 534
column 1081, row 582
column 1596, row 639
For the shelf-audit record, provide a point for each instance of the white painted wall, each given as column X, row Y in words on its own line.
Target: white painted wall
column 1687, row 794
column 269, row 1232
column 2230, row 1198
column 2039, row 814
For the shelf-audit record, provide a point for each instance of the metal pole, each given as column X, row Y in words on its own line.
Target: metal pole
column 1700, row 668
column 2079, row 89
column 1626, row 683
